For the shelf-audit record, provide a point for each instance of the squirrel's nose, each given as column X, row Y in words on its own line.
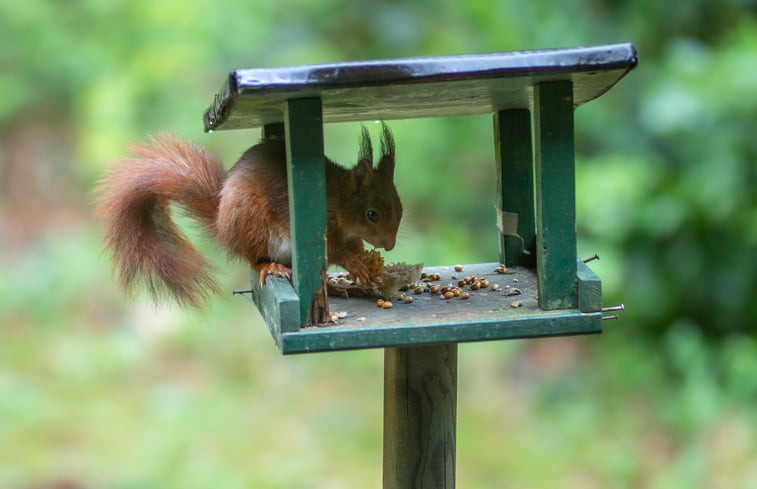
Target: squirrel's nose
column 389, row 244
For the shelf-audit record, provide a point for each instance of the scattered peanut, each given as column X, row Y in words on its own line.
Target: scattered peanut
column 459, row 287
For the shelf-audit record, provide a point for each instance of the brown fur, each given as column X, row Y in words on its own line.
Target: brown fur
column 246, row 210
column 146, row 245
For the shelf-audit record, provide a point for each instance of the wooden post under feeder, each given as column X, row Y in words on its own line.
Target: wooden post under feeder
column 532, row 96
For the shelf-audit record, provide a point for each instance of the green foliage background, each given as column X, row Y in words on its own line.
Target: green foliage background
column 100, row 391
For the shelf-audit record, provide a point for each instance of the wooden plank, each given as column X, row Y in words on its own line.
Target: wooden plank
column 515, row 187
column 589, row 289
column 420, row 409
column 306, row 175
column 555, row 194
column 416, row 87
column 278, row 304
column 488, row 315
column 557, row 323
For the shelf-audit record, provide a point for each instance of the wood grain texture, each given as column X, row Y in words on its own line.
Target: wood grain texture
column 420, row 409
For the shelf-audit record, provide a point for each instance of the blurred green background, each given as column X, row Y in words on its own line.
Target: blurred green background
column 97, row 390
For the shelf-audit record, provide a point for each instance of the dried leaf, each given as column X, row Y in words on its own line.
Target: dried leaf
column 512, row 291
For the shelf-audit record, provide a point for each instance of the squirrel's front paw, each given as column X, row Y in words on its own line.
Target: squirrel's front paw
column 358, row 271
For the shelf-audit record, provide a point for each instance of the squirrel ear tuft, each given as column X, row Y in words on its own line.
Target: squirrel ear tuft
column 366, row 148
column 386, row 164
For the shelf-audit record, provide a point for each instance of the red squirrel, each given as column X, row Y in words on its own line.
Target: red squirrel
column 246, row 210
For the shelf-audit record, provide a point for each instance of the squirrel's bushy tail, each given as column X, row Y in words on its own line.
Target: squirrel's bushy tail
column 134, row 201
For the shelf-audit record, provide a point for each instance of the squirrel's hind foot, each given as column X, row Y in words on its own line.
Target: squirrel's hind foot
column 272, row 268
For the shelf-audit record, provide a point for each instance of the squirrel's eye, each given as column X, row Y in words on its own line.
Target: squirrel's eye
column 372, row 216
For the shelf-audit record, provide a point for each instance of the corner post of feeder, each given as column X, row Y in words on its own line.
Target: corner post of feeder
column 555, row 194
column 515, row 187
column 306, row 177
column 273, row 130
column 420, row 410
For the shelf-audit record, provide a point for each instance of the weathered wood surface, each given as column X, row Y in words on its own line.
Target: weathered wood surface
column 416, row 87
column 420, row 408
column 487, row 316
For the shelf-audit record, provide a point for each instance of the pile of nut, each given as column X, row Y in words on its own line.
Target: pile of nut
column 450, row 291
column 373, row 262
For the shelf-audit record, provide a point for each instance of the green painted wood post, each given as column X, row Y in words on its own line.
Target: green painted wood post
column 275, row 129
column 306, row 175
column 420, row 409
column 515, row 187
column 555, row 194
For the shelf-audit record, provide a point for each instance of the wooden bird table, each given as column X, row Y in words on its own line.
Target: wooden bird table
column 532, row 96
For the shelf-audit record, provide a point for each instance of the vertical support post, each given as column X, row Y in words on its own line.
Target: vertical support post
column 515, row 187
column 306, row 176
column 273, row 130
column 420, row 408
column 555, row 194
